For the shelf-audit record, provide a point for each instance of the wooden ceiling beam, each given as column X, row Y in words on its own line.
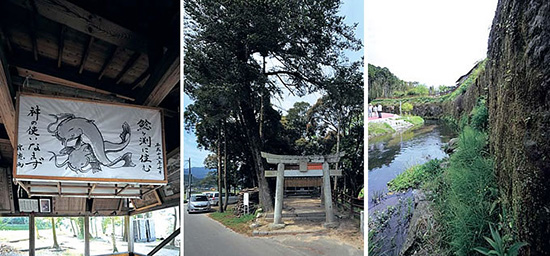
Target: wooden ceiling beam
column 4, row 37
column 143, row 76
column 60, row 81
column 86, row 54
column 7, row 110
column 130, row 63
column 107, row 63
column 77, row 18
column 164, row 77
column 68, row 75
column 61, row 45
column 32, row 27
column 58, row 89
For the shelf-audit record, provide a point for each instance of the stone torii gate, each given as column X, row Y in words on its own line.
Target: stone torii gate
column 302, row 161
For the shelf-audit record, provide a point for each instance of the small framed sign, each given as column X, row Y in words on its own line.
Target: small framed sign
column 45, row 205
column 28, row 205
column 245, row 199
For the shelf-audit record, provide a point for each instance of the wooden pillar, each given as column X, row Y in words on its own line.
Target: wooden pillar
column 32, row 237
column 86, row 235
column 278, row 212
column 130, row 232
column 328, row 196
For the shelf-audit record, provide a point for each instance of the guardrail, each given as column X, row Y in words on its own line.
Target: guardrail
column 348, row 203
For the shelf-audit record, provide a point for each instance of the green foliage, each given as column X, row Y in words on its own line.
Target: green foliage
column 415, row 176
column 374, row 244
column 14, row 227
column 498, row 245
column 376, row 129
column 399, row 94
column 466, row 84
column 406, row 107
column 383, row 83
column 480, row 116
column 465, row 193
column 418, row 90
column 227, row 78
column 415, row 120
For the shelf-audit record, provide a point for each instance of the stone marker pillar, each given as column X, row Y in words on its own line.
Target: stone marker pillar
column 322, row 194
column 280, row 186
column 328, row 197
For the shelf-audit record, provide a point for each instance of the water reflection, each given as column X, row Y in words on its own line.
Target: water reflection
column 392, row 154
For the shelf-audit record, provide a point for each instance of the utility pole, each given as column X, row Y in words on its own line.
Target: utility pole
column 189, row 194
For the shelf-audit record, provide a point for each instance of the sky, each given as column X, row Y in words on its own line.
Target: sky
column 429, row 41
column 353, row 10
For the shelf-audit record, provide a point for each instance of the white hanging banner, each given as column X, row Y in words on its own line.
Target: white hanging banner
column 78, row 140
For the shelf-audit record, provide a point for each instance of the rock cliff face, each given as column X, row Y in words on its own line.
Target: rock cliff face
column 518, row 80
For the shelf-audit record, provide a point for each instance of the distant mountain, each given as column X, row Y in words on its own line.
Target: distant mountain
column 198, row 172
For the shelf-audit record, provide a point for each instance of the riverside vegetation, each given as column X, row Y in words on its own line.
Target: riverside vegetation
column 464, row 194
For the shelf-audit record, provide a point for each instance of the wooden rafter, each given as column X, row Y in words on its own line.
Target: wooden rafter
column 75, row 17
column 61, row 45
column 86, row 54
column 7, row 110
column 164, row 77
column 130, row 63
column 55, row 80
column 4, row 37
column 92, row 189
column 122, row 189
column 24, row 187
column 143, row 76
column 69, row 73
column 107, row 62
column 32, row 27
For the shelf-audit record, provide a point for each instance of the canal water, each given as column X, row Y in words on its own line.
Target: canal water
column 392, row 154
column 389, row 156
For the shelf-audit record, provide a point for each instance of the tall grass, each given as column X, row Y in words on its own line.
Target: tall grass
column 465, row 193
column 376, row 129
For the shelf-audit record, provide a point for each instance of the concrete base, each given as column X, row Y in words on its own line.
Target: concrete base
column 330, row 224
column 274, row 226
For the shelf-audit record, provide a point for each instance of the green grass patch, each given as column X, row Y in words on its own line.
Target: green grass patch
column 237, row 224
column 376, row 129
column 415, row 120
column 415, row 176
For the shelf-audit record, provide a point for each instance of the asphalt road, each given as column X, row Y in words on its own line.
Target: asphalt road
column 206, row 237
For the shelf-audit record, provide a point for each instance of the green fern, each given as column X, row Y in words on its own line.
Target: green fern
column 498, row 245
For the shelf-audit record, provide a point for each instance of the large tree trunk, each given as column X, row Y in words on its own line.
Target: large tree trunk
column 248, row 117
column 219, row 158
column 75, row 233
column 113, row 239
column 173, row 243
column 124, row 234
column 518, row 76
column 55, row 244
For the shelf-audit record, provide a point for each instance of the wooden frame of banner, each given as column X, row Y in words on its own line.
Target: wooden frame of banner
column 76, row 179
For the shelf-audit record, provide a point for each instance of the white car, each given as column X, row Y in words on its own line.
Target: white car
column 215, row 198
column 198, row 203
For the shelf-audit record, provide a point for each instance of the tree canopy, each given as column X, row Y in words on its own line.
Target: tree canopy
column 239, row 54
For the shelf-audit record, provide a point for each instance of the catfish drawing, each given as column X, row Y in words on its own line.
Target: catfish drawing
column 68, row 127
